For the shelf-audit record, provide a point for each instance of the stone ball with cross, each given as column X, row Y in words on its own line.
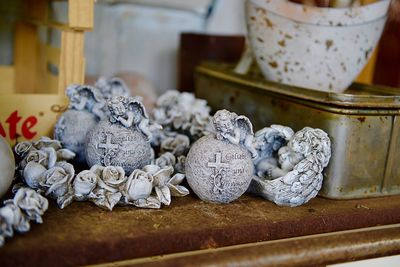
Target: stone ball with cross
column 217, row 170
column 112, row 144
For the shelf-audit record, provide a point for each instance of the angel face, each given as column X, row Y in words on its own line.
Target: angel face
column 223, row 122
column 118, row 108
column 224, row 126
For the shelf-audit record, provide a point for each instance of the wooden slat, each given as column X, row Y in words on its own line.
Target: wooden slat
column 52, row 83
column 7, row 79
column 41, row 71
column 53, row 54
column 26, row 59
column 47, row 82
column 80, row 14
column 72, row 63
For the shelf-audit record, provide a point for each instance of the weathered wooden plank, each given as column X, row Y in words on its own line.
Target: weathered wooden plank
column 72, row 62
column 84, row 234
column 26, row 52
column 80, row 14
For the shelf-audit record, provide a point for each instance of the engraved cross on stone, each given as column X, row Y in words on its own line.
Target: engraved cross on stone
column 108, row 146
column 218, row 164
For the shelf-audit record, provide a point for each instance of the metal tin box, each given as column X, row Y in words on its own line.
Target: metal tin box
column 363, row 123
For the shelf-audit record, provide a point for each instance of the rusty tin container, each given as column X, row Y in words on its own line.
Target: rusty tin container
column 363, row 123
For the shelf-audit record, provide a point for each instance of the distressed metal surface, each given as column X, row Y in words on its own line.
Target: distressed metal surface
column 315, row 250
column 84, row 234
column 360, row 123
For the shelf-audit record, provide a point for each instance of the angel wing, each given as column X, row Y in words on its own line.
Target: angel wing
column 244, row 124
column 304, row 181
column 270, row 139
column 118, row 86
column 93, row 92
column 137, row 107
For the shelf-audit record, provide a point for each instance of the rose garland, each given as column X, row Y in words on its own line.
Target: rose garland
column 44, row 168
column 27, row 205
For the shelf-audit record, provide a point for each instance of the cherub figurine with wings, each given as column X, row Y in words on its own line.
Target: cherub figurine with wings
column 235, row 129
column 85, row 97
column 130, row 112
column 301, row 163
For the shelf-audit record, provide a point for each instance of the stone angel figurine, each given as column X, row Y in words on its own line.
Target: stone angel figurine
column 312, row 151
column 235, row 129
column 130, row 112
column 85, row 97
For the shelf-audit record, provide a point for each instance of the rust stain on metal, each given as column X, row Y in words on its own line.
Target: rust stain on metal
column 361, row 119
column 314, row 250
column 209, row 243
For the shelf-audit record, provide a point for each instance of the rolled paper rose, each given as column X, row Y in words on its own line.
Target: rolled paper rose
column 33, row 173
column 84, row 183
column 57, row 180
column 139, row 185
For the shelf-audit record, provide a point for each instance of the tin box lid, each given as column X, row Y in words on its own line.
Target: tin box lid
column 357, row 96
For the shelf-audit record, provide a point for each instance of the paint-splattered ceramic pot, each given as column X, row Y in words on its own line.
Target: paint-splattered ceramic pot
column 312, row 47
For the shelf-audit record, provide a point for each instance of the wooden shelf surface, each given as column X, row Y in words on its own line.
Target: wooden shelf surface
column 84, row 234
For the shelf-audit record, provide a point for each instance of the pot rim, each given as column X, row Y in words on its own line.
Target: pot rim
column 323, row 16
